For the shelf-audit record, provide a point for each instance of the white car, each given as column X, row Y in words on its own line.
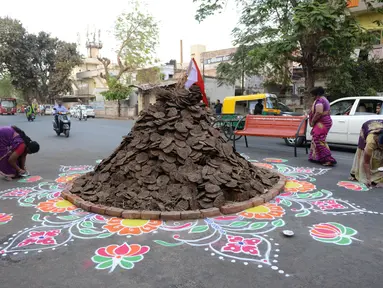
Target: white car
column 348, row 115
column 49, row 109
column 90, row 111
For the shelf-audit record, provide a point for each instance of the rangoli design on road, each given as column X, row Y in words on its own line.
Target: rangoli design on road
column 123, row 256
column 355, row 186
column 30, row 179
column 5, row 218
column 334, row 233
column 242, row 238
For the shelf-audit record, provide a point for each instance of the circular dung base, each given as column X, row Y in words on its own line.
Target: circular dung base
column 229, row 208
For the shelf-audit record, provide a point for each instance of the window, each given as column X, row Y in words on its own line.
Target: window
column 241, row 107
column 7, row 104
column 366, row 107
column 342, row 107
column 283, row 107
column 271, row 103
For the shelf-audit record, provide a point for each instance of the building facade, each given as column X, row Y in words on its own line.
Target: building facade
column 209, row 60
column 369, row 20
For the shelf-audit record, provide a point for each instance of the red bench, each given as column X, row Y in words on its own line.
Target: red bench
column 274, row 126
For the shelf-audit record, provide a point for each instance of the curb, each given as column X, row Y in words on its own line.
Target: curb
column 230, row 208
column 115, row 118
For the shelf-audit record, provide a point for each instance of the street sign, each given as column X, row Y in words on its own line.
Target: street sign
column 218, row 59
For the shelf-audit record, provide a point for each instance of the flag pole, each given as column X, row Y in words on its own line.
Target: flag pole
column 203, row 69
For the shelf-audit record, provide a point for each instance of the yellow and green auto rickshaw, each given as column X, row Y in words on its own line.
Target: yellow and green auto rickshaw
column 235, row 108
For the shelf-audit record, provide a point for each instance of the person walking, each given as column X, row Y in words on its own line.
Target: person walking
column 320, row 120
column 369, row 155
column 218, row 107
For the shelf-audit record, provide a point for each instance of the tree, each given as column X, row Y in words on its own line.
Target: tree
column 116, row 91
column 137, row 34
column 275, row 70
column 317, row 34
column 7, row 89
column 148, row 75
column 356, row 78
column 67, row 58
column 39, row 65
column 254, row 60
column 16, row 58
column 239, row 66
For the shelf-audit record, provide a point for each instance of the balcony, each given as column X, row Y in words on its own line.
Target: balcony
column 88, row 74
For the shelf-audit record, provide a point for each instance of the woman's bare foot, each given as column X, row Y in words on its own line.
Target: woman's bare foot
column 379, row 185
column 351, row 178
column 328, row 164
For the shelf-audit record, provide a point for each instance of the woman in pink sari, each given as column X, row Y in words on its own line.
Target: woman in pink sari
column 321, row 122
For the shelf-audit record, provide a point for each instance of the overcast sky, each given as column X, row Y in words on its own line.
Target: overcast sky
column 65, row 19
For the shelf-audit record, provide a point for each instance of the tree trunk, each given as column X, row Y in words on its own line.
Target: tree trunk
column 283, row 90
column 243, row 74
column 309, row 84
column 119, row 108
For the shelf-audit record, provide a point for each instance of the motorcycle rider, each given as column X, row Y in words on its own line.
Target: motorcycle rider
column 58, row 108
column 29, row 111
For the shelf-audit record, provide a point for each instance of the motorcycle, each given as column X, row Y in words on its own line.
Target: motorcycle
column 81, row 114
column 31, row 117
column 63, row 120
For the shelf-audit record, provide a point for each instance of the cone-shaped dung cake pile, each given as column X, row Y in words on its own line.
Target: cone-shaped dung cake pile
column 173, row 160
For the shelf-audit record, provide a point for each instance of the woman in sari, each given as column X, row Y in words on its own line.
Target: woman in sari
column 14, row 147
column 369, row 155
column 321, row 122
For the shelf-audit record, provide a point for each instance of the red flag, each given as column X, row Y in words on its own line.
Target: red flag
column 195, row 77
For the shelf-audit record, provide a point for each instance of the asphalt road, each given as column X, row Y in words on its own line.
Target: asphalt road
column 337, row 242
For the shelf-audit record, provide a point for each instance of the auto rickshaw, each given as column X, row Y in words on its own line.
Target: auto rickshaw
column 235, row 108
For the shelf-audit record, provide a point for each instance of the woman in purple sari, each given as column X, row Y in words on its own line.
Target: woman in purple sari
column 14, row 147
column 321, row 122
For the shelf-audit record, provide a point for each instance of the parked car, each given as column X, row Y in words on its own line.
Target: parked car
column 49, row 109
column 285, row 110
column 348, row 115
column 90, row 111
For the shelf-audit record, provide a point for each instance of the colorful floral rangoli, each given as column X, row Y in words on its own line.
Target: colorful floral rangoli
column 243, row 237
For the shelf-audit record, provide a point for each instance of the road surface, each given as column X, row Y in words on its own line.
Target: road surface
column 45, row 243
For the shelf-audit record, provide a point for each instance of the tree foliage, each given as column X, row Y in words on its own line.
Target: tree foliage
column 317, row 34
column 148, row 75
column 137, row 34
column 235, row 71
column 116, row 91
column 356, row 78
column 7, row 89
column 254, row 60
column 39, row 65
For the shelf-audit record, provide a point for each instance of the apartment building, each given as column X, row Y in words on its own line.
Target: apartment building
column 369, row 20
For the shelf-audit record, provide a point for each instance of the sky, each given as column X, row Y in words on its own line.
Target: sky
column 71, row 18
